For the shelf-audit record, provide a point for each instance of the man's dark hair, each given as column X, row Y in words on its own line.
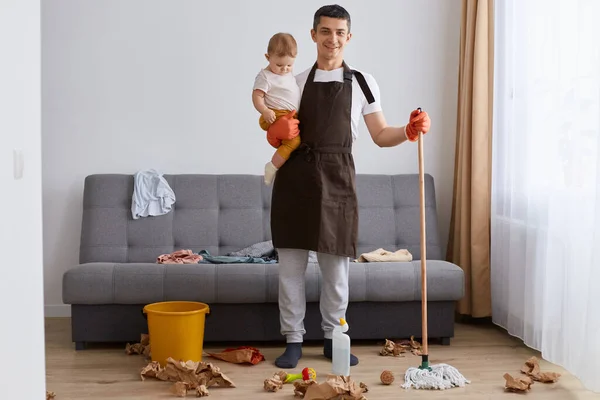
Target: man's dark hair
column 331, row 11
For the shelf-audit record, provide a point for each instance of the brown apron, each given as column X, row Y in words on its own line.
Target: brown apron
column 314, row 205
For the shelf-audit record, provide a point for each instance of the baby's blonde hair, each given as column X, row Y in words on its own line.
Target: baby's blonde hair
column 282, row 45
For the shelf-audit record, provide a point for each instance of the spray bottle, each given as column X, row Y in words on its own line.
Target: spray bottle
column 341, row 350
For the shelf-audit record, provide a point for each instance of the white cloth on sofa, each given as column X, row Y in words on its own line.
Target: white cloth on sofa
column 152, row 194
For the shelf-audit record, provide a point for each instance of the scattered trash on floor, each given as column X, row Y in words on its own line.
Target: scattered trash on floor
column 532, row 369
column 143, row 347
column 180, row 389
column 391, row 348
column 197, row 376
column 243, row 354
column 50, row 395
column 532, row 372
column 518, row 384
column 334, row 387
column 387, row 377
column 276, row 382
column 201, row 391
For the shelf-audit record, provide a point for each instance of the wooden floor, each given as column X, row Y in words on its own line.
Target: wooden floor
column 482, row 353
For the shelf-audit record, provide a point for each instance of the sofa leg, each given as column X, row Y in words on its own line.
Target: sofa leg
column 80, row 345
column 445, row 341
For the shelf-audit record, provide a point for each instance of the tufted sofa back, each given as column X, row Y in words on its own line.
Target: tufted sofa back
column 224, row 213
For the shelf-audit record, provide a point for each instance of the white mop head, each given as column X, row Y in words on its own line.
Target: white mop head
column 441, row 377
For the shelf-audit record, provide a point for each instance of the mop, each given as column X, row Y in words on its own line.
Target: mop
column 440, row 376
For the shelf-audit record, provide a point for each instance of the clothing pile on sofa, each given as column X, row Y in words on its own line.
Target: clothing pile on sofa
column 179, row 257
column 207, row 258
column 382, row 255
column 259, row 253
column 265, row 253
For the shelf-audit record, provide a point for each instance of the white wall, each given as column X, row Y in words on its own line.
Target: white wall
column 21, row 283
column 140, row 84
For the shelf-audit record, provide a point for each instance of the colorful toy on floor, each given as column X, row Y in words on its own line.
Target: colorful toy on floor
column 308, row 374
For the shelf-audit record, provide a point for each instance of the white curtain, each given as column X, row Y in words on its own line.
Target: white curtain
column 545, row 238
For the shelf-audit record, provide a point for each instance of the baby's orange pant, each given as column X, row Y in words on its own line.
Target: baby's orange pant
column 286, row 147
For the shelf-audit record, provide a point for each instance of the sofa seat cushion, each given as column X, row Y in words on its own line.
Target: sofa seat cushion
column 143, row 283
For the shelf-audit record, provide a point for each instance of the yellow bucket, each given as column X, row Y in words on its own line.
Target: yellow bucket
column 176, row 329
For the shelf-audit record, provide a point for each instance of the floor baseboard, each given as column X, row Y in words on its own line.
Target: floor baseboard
column 57, row 311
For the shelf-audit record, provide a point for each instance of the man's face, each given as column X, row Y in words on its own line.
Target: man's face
column 331, row 37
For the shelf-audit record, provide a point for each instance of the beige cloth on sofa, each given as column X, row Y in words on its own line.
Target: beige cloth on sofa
column 382, row 255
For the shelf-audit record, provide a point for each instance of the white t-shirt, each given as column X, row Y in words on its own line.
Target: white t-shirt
column 360, row 105
column 281, row 91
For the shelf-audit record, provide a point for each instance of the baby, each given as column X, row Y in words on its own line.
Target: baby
column 275, row 94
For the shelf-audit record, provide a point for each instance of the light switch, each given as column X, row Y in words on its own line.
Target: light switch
column 18, row 164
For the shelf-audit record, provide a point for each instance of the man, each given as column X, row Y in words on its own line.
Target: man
column 314, row 205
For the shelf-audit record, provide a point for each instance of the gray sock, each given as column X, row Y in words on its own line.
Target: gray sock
column 290, row 357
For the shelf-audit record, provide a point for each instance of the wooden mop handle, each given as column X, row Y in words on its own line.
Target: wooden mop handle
column 423, row 245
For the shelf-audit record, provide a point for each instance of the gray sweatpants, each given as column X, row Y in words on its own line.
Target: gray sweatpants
column 292, row 294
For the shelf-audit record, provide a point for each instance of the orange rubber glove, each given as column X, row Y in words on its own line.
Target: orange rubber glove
column 419, row 121
column 285, row 128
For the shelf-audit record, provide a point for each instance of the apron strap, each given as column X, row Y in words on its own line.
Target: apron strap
column 363, row 85
column 362, row 82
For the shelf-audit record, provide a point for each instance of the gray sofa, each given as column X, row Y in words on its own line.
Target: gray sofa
column 118, row 273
